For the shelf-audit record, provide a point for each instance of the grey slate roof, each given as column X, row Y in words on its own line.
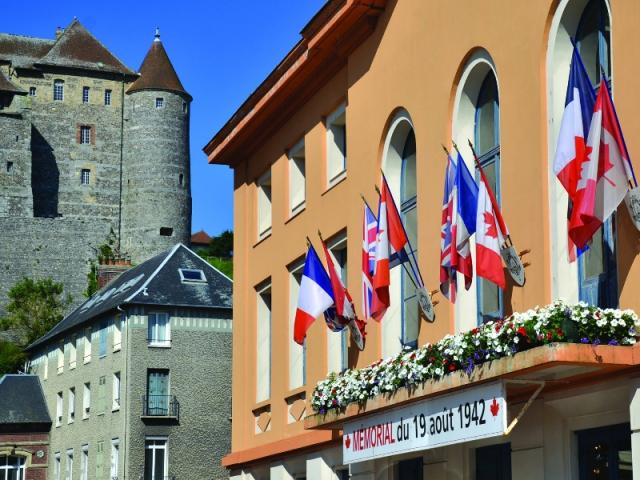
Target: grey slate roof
column 22, row 51
column 22, row 402
column 154, row 282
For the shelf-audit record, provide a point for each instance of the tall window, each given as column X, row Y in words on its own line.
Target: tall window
column 84, row 463
column 85, row 94
column 159, row 330
column 99, row 458
column 59, row 409
column 72, row 353
column 158, row 393
column 297, row 178
column 72, row 405
column 102, row 347
column 68, row 471
column 107, row 97
column 12, row 467
column 100, row 401
column 263, row 347
column 264, row 205
column 85, row 175
column 117, row 333
column 60, row 359
column 87, row 345
column 86, row 400
column 408, row 211
column 56, row 467
column 32, row 91
column 336, row 145
column 85, row 134
column 115, row 457
column 58, row 90
column 156, row 459
column 337, row 342
column 487, row 145
column 115, row 396
column 597, row 271
column 297, row 353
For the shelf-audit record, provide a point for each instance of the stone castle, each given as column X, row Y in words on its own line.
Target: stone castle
column 87, row 146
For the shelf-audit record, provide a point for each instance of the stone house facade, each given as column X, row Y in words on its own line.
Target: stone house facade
column 138, row 377
column 87, row 145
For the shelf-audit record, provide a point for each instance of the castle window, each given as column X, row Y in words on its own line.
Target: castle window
column 107, row 97
column 180, row 179
column 166, row 231
column 58, row 90
column 9, row 167
column 32, row 91
column 184, row 107
column 85, row 135
column 85, row 94
column 159, row 102
column 84, row 176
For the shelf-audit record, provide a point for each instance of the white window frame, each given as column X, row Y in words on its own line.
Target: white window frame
column 59, row 408
column 263, row 341
column 57, row 466
column 115, row 392
column 165, row 447
column 154, row 330
column 264, row 205
column 297, row 353
column 115, row 458
column 87, row 344
column 86, row 400
column 85, row 136
column 107, row 97
column 336, row 161
column 45, row 372
column 337, row 342
column 85, row 176
column 72, row 353
column 5, row 467
column 68, row 466
column 117, row 333
column 58, row 90
column 202, row 279
column 297, row 178
column 84, row 463
column 85, row 94
column 71, row 410
column 60, row 358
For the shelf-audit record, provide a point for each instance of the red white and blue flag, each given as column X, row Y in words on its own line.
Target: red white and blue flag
column 315, row 296
column 391, row 239
column 369, row 227
column 338, row 316
column 604, row 173
column 572, row 139
column 447, row 272
column 490, row 234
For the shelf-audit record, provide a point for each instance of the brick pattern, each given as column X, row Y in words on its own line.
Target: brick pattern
column 31, row 443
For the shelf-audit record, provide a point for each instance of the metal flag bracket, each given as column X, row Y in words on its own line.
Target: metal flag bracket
column 632, row 199
column 541, row 384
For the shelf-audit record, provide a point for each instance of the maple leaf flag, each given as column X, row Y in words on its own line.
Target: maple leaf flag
column 605, row 173
column 489, row 237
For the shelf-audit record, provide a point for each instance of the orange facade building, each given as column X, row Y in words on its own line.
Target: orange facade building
column 383, row 84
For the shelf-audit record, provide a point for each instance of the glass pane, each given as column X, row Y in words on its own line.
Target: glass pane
column 148, row 463
column 159, row 464
column 594, row 257
column 487, row 114
column 410, row 316
column 593, row 37
column 409, row 168
column 410, row 219
column 490, row 302
column 490, row 170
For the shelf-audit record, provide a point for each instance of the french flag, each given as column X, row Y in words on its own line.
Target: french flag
column 464, row 212
column 490, row 234
column 605, row 174
column 369, row 224
column 315, row 296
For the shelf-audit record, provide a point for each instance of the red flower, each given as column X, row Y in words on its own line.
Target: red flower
column 549, row 335
column 432, row 359
column 475, row 330
column 452, row 367
column 445, row 361
column 522, row 331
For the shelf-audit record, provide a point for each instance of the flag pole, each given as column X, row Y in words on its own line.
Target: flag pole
column 418, row 275
column 402, row 263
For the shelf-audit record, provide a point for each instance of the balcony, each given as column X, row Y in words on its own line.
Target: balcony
column 158, row 407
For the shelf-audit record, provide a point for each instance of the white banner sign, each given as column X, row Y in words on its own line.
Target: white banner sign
column 471, row 414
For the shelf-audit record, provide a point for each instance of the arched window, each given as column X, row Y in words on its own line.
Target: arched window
column 12, row 467
column 487, row 145
column 593, row 278
column 402, row 321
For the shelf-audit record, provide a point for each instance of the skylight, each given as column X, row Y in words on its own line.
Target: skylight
column 190, row 275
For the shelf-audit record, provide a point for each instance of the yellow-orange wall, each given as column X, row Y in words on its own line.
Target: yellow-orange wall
column 412, row 60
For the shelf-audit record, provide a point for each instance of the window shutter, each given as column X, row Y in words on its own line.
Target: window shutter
column 99, row 456
column 101, row 394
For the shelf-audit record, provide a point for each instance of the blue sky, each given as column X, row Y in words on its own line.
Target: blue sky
column 221, row 49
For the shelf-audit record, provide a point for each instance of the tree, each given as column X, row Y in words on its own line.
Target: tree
column 222, row 245
column 11, row 357
column 34, row 307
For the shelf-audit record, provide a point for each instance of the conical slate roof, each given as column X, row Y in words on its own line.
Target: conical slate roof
column 77, row 48
column 157, row 72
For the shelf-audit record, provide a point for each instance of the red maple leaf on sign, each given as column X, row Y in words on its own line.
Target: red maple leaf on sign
column 347, row 441
column 490, row 222
column 494, row 407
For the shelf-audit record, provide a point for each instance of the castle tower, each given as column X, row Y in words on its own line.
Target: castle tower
column 156, row 189
column 156, row 200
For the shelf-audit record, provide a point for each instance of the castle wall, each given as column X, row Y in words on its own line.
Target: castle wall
column 15, row 163
column 156, row 187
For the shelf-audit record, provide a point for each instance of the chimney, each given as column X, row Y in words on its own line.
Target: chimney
column 59, row 32
column 111, row 268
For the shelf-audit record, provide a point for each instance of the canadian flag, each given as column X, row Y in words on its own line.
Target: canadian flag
column 490, row 232
column 604, row 173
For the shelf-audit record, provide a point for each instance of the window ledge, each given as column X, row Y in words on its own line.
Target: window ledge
column 263, row 405
column 87, row 360
column 158, row 345
column 117, row 349
column 337, row 180
column 296, row 392
column 116, row 409
column 296, row 213
column 262, row 239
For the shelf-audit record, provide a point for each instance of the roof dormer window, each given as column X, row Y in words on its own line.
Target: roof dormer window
column 190, row 275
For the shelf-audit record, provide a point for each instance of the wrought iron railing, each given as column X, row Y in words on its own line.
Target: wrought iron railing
column 160, row 406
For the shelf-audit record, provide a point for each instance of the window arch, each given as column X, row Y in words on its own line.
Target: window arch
column 402, row 320
column 593, row 278
column 476, row 117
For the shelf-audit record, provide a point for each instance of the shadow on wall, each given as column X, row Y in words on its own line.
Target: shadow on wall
column 45, row 177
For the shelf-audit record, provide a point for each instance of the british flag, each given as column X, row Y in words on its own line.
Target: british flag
column 369, row 226
column 447, row 272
